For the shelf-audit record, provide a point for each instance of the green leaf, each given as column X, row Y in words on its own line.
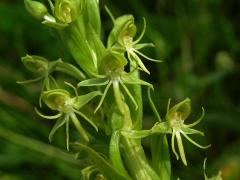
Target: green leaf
column 160, row 156
column 91, row 15
column 104, row 166
column 143, row 45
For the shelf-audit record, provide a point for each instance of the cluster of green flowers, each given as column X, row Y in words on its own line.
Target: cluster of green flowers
column 78, row 24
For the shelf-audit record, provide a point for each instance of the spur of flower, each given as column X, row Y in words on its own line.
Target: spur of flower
column 63, row 12
column 121, row 39
column 175, row 119
column 68, row 108
column 113, row 74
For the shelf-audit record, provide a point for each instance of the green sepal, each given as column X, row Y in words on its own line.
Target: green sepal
column 115, row 154
column 103, row 165
column 160, row 156
column 143, row 45
column 94, row 82
column 82, row 100
column 135, row 81
column 182, row 110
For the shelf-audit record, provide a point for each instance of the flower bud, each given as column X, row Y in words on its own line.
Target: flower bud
column 66, row 11
column 35, row 64
column 36, row 9
column 58, row 100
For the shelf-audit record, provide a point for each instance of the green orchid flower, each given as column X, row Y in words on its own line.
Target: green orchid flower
column 68, row 108
column 174, row 125
column 112, row 68
column 121, row 39
column 175, row 118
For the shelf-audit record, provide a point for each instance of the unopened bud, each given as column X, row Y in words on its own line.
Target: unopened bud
column 35, row 8
column 35, row 64
column 66, row 11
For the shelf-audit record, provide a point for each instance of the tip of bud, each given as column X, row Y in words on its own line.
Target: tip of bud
column 35, row 8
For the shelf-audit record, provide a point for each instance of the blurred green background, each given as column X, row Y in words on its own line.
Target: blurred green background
column 199, row 43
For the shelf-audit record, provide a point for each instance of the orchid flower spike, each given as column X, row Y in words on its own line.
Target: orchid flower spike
column 68, row 108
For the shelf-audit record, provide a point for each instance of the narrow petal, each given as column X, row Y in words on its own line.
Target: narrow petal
column 173, row 146
column 103, row 96
column 198, row 121
column 181, row 149
column 142, row 33
column 194, row 143
column 87, row 119
column 47, row 117
column 146, row 57
column 54, row 81
column 70, row 85
column 60, row 122
column 129, row 94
